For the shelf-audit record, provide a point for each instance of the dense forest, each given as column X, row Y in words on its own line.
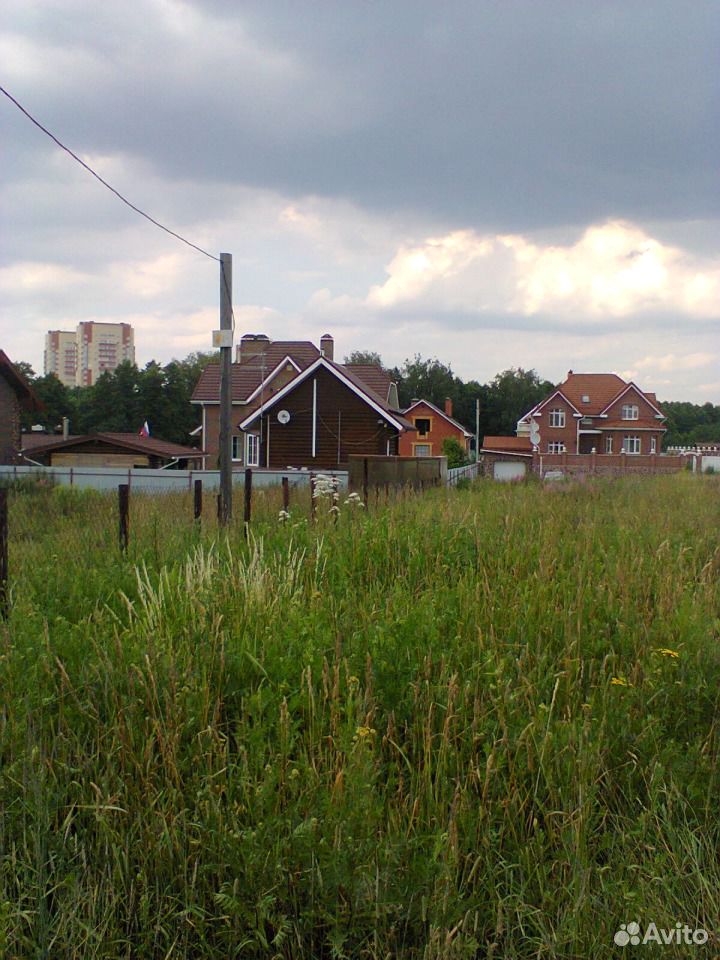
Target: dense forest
column 125, row 399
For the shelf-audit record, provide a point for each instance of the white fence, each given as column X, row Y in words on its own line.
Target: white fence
column 469, row 472
column 158, row 481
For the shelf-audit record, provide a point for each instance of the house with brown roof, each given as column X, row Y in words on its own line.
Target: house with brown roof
column 432, row 427
column 16, row 395
column 293, row 406
column 596, row 413
column 126, row 450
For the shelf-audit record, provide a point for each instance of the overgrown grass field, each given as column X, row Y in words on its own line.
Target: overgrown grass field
column 472, row 723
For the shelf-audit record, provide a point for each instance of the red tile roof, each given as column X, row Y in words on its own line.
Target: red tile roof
column 508, row 444
column 600, row 387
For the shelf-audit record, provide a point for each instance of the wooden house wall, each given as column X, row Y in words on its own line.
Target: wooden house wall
column 345, row 425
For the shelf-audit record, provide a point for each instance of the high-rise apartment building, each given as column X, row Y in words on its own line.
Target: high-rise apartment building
column 92, row 350
column 61, row 355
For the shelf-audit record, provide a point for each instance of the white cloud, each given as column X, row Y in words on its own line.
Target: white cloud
column 614, row 270
column 28, row 276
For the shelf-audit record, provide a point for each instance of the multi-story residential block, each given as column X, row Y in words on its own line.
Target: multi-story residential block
column 101, row 348
column 79, row 358
column 61, row 355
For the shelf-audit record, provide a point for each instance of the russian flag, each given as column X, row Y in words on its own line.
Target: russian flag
column 144, row 430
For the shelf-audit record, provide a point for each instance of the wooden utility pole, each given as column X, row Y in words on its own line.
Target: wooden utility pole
column 124, row 516
column 225, row 389
column 197, row 500
column 477, row 429
column 4, row 571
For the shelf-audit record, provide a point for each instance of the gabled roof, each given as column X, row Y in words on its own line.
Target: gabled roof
column 600, row 387
column 350, row 379
column 603, row 389
column 636, row 388
column 152, row 446
column 538, row 406
column 249, row 374
column 440, row 413
column 19, row 384
column 372, row 376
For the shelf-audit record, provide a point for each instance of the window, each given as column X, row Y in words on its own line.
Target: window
column 422, row 425
column 653, row 444
column 631, row 445
column 252, row 450
column 422, row 449
column 557, row 417
column 237, row 448
column 556, row 447
column 630, row 411
column 608, row 444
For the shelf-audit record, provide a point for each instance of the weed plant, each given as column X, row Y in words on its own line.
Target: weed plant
column 469, row 723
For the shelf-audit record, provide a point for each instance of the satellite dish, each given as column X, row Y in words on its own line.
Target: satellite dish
column 283, row 416
column 534, row 433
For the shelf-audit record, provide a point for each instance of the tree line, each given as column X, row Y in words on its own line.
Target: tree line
column 122, row 400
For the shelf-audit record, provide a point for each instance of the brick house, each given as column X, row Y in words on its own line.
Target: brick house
column 597, row 413
column 15, row 395
column 293, row 406
column 432, row 427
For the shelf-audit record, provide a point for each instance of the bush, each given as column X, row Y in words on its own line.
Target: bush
column 456, row 456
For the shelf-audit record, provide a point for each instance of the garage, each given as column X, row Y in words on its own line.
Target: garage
column 508, row 470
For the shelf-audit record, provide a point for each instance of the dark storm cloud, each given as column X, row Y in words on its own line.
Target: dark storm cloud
column 508, row 115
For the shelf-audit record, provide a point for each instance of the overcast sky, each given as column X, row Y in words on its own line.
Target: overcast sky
column 494, row 183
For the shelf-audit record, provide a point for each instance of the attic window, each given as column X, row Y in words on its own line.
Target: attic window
column 586, row 398
column 422, row 425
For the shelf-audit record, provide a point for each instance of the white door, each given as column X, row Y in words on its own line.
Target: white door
column 508, row 470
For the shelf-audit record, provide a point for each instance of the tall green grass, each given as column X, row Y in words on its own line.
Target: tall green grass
column 478, row 723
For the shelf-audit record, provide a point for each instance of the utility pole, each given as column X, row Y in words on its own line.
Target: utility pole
column 225, row 339
column 477, row 429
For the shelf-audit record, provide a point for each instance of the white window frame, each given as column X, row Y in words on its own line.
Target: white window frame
column 556, row 446
column 608, row 443
column 630, row 411
column 557, row 417
column 252, row 450
column 653, row 444
column 425, row 446
column 632, row 445
column 237, row 446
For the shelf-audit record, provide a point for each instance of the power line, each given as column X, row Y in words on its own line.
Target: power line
column 104, row 182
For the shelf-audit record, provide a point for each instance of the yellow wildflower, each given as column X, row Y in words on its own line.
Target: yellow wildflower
column 667, row 652
column 363, row 732
column 620, row 682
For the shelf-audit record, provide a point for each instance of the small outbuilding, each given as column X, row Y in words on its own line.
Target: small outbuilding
column 124, row 450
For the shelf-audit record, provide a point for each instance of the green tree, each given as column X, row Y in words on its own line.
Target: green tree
column 57, row 401
column 365, row 356
column 510, row 396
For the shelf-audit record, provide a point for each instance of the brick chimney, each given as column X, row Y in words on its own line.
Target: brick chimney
column 327, row 346
column 570, row 373
column 448, row 407
column 251, row 345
